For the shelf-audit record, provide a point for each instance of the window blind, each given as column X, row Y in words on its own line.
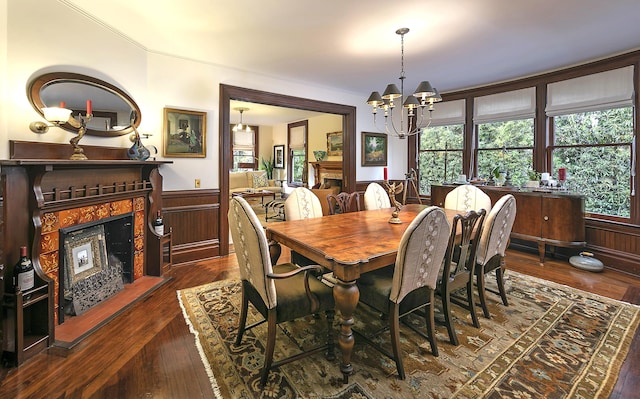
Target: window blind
column 297, row 135
column 243, row 140
column 507, row 106
column 599, row 91
column 448, row 113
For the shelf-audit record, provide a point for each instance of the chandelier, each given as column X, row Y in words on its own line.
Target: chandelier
column 414, row 104
column 240, row 127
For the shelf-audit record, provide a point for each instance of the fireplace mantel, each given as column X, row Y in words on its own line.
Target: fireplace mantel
column 38, row 196
column 327, row 169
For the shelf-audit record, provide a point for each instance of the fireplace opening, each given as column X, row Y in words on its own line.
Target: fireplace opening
column 96, row 260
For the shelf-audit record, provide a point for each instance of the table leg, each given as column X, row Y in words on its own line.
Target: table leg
column 346, row 296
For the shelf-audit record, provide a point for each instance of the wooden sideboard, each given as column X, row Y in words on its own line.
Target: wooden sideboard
column 554, row 218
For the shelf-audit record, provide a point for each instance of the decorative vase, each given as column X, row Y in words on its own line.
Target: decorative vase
column 320, row 155
column 138, row 151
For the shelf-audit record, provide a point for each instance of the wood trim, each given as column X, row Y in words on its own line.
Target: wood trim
column 228, row 93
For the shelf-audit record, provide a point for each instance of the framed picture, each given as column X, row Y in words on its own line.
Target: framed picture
column 334, row 144
column 85, row 254
column 184, row 133
column 374, row 149
column 278, row 156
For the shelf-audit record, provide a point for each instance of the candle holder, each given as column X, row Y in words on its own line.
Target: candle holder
column 393, row 189
column 78, row 152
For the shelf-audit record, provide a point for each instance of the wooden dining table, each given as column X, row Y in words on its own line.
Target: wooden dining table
column 349, row 245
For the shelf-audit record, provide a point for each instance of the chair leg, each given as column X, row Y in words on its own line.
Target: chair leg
column 431, row 322
column 331, row 353
column 500, row 281
column 271, row 344
column 394, row 328
column 243, row 317
column 472, row 305
column 446, row 309
column 481, row 293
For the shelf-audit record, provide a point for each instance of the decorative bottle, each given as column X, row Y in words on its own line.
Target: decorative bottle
column 158, row 225
column 23, row 274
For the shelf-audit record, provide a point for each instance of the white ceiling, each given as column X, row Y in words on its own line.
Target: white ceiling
column 352, row 45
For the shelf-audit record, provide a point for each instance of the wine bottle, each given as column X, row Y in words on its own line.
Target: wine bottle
column 158, row 225
column 23, row 275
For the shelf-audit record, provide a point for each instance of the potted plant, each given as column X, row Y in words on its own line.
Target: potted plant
column 534, row 179
column 267, row 165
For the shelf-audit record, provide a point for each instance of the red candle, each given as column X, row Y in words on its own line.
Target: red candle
column 562, row 174
column 89, row 110
column 62, row 104
column 385, row 174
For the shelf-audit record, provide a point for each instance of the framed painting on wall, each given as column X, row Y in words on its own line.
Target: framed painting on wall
column 278, row 156
column 184, row 133
column 374, row 149
column 334, row 144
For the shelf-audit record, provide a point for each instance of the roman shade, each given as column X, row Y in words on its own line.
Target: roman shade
column 297, row 137
column 243, row 140
column 448, row 113
column 599, row 91
column 507, row 106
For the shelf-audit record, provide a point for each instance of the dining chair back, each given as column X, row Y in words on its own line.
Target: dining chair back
column 409, row 286
column 302, row 204
column 279, row 293
column 458, row 267
column 490, row 254
column 376, row 197
column 343, row 202
column 467, row 197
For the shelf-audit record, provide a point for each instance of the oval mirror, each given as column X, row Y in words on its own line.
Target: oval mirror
column 112, row 107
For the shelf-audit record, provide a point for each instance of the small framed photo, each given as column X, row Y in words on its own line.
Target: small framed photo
column 334, row 144
column 184, row 133
column 374, row 149
column 278, row 156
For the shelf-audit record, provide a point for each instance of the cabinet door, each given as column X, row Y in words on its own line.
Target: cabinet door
column 528, row 216
column 563, row 219
column 438, row 194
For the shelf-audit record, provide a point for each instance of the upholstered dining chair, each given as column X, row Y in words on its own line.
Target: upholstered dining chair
column 376, row 197
column 344, row 202
column 458, row 268
column 280, row 293
column 494, row 239
column 467, row 197
column 409, row 286
column 302, row 204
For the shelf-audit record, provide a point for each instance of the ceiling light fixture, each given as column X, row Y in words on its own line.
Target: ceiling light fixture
column 240, row 127
column 423, row 98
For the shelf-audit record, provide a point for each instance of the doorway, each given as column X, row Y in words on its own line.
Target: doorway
column 228, row 93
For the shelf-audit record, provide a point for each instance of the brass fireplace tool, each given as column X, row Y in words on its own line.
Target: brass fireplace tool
column 393, row 189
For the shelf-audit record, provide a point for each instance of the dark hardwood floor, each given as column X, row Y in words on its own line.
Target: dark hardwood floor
column 148, row 351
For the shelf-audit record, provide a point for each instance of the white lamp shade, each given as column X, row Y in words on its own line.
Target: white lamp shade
column 56, row 114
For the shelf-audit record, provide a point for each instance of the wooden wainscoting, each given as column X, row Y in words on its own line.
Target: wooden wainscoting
column 193, row 217
column 616, row 245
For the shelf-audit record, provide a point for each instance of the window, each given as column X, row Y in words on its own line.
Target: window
column 592, row 136
column 440, row 146
column 440, row 155
column 506, row 147
column 601, row 140
column 297, row 167
column 244, row 149
column 505, row 130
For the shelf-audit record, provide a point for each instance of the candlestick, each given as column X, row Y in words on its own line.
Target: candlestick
column 89, row 110
column 386, row 177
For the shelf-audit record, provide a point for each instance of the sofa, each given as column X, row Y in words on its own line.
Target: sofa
column 251, row 180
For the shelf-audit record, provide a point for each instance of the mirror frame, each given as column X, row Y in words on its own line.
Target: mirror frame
column 37, row 84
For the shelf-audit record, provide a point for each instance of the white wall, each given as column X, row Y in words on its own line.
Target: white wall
column 45, row 36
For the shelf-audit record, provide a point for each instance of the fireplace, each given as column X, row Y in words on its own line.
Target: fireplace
column 96, row 260
column 328, row 174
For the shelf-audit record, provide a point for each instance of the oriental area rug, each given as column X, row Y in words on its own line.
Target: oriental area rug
column 552, row 341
